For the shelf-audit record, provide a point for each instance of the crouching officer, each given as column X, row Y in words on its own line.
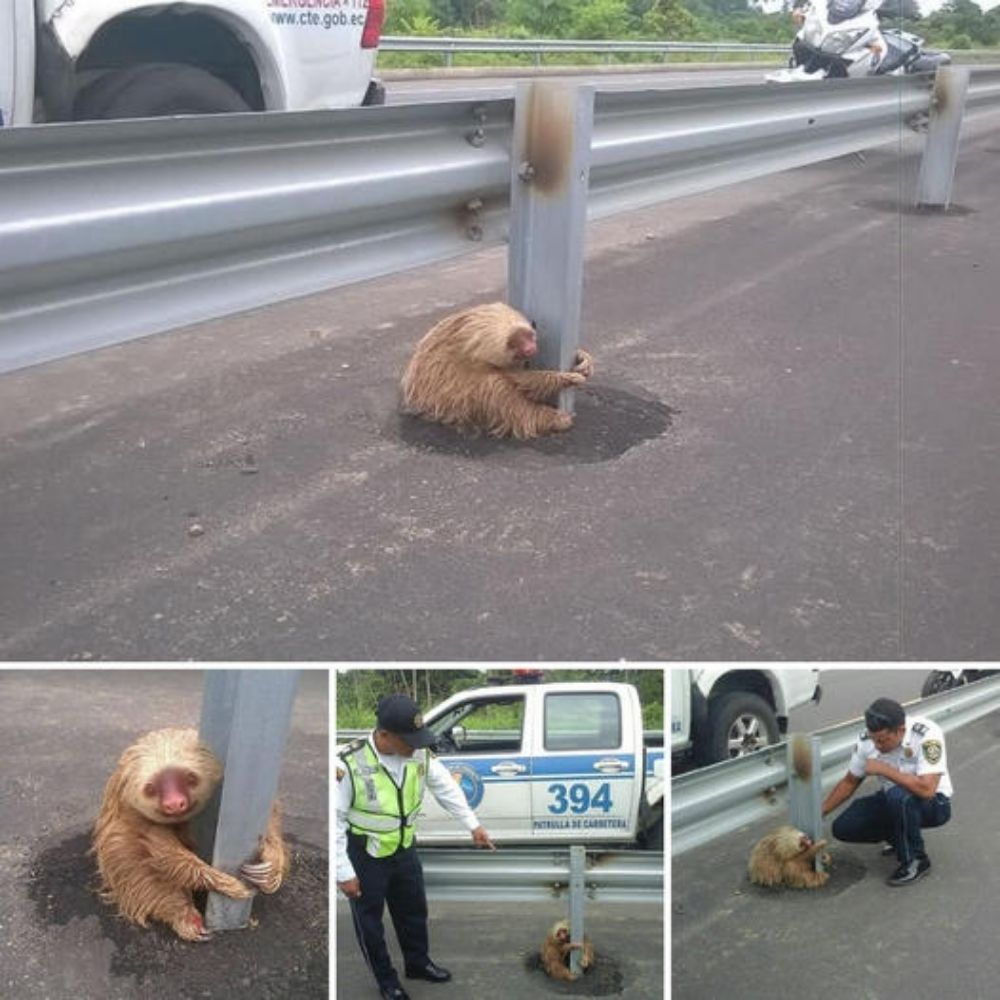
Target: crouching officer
column 907, row 755
column 380, row 785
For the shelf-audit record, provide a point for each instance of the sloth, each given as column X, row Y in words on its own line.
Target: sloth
column 556, row 949
column 470, row 372
column 786, row 856
column 144, row 845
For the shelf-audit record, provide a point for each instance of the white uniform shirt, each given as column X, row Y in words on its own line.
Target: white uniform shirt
column 921, row 752
column 440, row 784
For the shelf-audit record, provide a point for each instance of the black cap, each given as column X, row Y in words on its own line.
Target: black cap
column 400, row 715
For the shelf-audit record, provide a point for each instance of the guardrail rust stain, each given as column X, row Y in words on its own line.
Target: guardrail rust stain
column 549, row 138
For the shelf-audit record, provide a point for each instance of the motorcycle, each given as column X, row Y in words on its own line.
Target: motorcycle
column 844, row 38
column 945, row 680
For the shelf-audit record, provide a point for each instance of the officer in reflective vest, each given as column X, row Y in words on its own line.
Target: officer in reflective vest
column 380, row 785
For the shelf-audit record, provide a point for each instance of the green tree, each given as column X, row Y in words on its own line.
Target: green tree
column 542, row 18
column 601, row 19
column 411, row 17
column 668, row 20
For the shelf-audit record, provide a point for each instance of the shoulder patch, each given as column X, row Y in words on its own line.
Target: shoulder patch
column 919, row 728
column 932, row 751
column 351, row 747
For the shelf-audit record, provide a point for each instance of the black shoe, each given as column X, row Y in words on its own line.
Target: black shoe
column 905, row 874
column 887, row 850
column 431, row 972
column 394, row 993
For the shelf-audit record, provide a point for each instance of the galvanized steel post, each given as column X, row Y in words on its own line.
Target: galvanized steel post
column 550, row 176
column 245, row 719
column 937, row 168
column 805, row 786
column 577, row 864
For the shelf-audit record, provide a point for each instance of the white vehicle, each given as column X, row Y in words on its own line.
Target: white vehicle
column 717, row 713
column 574, row 770
column 78, row 60
column 844, row 38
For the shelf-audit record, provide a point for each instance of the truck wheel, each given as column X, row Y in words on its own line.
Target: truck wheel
column 738, row 724
column 154, row 91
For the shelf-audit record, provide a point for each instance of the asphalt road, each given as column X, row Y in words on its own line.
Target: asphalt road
column 857, row 938
column 789, row 451
column 491, row 950
column 848, row 692
column 62, row 732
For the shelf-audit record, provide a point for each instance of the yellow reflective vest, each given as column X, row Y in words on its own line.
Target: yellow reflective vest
column 382, row 811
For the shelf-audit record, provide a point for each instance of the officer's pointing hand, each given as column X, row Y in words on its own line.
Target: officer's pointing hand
column 351, row 888
column 482, row 839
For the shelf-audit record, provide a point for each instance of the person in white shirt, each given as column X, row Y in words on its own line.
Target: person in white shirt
column 907, row 755
column 380, row 784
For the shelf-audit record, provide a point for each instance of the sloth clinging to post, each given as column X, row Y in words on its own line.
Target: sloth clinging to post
column 556, row 950
column 145, row 849
column 470, row 372
column 787, row 856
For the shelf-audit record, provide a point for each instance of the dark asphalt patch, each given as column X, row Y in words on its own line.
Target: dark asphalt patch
column 609, row 421
column 892, row 207
column 283, row 955
column 604, row 978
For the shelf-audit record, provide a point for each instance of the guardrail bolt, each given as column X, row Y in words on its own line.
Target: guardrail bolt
column 474, row 228
column 526, row 172
column 477, row 137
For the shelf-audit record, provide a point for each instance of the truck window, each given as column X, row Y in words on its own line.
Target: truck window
column 486, row 727
column 582, row 721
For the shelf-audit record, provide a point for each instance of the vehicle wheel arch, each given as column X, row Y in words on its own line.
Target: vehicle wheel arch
column 208, row 38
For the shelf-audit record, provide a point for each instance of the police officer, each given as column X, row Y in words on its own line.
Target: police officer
column 907, row 755
column 380, row 785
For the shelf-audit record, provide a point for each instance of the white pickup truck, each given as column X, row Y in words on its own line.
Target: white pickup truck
column 77, row 60
column 574, row 768
column 721, row 712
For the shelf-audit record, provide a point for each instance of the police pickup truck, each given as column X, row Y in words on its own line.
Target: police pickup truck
column 77, row 60
column 572, row 768
column 721, row 712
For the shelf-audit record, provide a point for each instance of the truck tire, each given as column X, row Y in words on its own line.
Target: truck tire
column 156, row 90
column 738, row 723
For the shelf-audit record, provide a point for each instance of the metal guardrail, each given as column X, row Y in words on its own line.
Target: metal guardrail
column 530, row 874
column 539, row 47
column 449, row 46
column 114, row 230
column 714, row 801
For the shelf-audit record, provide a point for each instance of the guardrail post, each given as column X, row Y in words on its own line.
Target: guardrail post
column 550, row 167
column 577, row 864
column 245, row 719
column 805, row 786
column 937, row 168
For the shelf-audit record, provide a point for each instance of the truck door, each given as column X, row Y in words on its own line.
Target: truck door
column 17, row 61
column 680, row 708
column 480, row 742
column 586, row 784
column 6, row 64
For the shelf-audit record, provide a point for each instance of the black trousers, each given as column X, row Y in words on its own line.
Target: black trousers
column 897, row 816
column 399, row 882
